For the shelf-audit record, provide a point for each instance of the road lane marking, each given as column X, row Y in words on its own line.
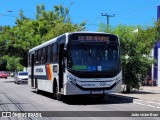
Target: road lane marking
column 153, row 106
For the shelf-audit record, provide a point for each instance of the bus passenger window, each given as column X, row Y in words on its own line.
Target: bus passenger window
column 55, row 53
column 51, row 53
column 39, row 56
column 44, row 58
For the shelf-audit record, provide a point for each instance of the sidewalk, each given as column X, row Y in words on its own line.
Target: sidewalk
column 152, row 89
column 147, row 95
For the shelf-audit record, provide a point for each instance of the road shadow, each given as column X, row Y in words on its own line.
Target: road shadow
column 9, row 81
column 140, row 92
column 22, row 83
column 88, row 100
column 43, row 93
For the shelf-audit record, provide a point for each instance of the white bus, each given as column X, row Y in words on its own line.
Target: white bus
column 77, row 63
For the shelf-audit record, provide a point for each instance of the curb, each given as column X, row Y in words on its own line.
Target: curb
column 151, row 91
column 128, row 99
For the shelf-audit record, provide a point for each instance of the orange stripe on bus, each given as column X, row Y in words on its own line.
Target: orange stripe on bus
column 49, row 72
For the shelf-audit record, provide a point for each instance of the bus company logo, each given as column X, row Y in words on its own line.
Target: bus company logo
column 6, row 114
column 88, row 85
column 39, row 70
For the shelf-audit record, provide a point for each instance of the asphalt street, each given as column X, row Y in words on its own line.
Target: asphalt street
column 20, row 97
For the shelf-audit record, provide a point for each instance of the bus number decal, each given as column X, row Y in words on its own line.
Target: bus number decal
column 104, row 84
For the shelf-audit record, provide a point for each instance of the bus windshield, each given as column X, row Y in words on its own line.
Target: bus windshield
column 93, row 56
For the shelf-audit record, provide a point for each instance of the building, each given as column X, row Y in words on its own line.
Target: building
column 156, row 55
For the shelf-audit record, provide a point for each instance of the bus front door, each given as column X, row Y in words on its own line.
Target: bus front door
column 61, row 66
column 32, row 70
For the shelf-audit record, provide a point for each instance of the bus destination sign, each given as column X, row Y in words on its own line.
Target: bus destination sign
column 94, row 38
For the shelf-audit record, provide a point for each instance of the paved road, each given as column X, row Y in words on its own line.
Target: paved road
column 21, row 98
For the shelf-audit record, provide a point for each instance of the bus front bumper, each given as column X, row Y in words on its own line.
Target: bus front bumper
column 72, row 89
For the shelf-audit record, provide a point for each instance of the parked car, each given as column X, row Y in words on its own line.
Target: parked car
column 20, row 77
column 3, row 74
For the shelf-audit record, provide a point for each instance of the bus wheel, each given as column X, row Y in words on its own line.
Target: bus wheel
column 56, row 95
column 55, row 90
column 59, row 97
column 36, row 85
column 37, row 91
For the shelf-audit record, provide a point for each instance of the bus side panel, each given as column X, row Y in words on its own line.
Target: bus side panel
column 41, row 84
column 45, row 85
column 49, row 86
column 45, row 77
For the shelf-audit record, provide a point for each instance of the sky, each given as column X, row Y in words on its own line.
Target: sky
column 127, row 12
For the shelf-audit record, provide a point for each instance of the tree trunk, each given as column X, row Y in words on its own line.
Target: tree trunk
column 128, row 90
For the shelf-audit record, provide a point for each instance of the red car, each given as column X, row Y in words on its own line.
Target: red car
column 3, row 74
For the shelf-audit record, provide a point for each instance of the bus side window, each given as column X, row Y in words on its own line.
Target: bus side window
column 51, row 53
column 35, row 58
column 39, row 56
column 44, row 55
column 48, row 54
column 55, row 53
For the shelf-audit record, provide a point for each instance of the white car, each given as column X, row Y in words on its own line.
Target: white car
column 20, row 77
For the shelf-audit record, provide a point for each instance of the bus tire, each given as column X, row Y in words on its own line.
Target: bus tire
column 36, row 86
column 56, row 95
column 59, row 97
column 54, row 89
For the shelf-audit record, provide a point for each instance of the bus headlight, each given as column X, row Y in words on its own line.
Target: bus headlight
column 118, row 79
column 72, row 80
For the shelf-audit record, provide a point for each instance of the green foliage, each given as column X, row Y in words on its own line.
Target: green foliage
column 12, row 63
column 26, row 34
column 3, row 64
column 136, row 50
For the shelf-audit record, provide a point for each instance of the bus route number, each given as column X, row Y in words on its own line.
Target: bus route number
column 104, row 84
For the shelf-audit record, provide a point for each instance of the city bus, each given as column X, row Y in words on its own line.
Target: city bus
column 77, row 63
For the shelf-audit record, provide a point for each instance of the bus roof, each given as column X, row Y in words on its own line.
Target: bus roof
column 54, row 39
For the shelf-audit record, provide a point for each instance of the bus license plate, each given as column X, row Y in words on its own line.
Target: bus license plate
column 97, row 92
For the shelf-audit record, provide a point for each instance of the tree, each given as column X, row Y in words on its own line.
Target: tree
column 28, row 33
column 3, row 64
column 136, row 49
column 13, row 63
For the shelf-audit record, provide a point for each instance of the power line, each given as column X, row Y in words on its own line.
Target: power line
column 8, row 15
column 137, row 7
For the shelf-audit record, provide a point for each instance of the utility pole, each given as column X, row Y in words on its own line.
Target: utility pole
column 105, row 14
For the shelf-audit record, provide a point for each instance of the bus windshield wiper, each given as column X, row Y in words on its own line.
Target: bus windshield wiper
column 84, row 45
column 70, row 62
column 102, row 50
